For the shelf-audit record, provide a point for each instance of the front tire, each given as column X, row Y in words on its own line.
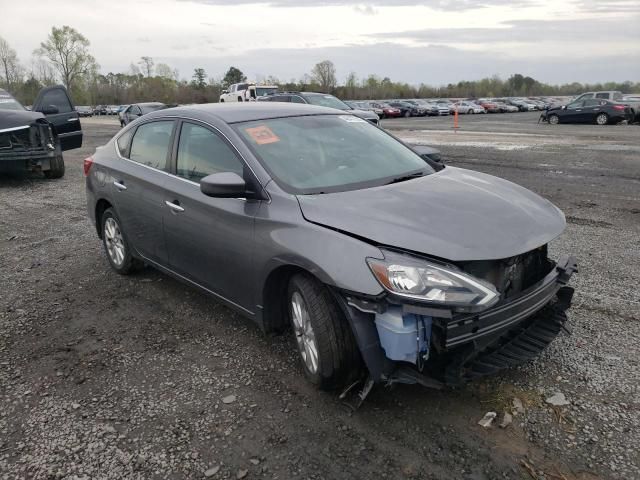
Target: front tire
column 554, row 119
column 115, row 244
column 327, row 348
column 407, row 114
column 56, row 169
column 602, row 119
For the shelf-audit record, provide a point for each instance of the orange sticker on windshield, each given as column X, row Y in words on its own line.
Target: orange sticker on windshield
column 262, row 135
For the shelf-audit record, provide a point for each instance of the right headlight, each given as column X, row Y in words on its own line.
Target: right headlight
column 419, row 279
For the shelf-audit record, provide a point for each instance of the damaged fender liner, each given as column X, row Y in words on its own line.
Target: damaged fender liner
column 469, row 345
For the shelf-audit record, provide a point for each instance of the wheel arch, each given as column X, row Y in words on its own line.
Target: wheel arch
column 101, row 206
column 274, row 289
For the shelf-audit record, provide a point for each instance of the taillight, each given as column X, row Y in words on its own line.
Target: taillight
column 87, row 165
column 619, row 107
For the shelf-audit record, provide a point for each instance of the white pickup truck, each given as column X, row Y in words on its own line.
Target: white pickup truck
column 615, row 96
column 246, row 92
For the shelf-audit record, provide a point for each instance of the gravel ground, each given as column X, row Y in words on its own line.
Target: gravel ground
column 103, row 376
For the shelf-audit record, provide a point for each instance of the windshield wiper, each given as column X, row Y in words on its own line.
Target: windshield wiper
column 404, row 178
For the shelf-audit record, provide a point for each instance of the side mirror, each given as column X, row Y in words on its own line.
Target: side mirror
column 223, row 185
column 564, row 107
column 50, row 110
column 430, row 155
column 224, row 92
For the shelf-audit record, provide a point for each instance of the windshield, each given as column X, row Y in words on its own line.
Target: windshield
column 329, row 153
column 327, row 101
column 7, row 102
column 260, row 91
column 151, row 108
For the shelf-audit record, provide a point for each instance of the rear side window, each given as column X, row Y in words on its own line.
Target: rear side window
column 150, row 144
column 123, row 142
column 602, row 95
column 57, row 98
column 201, row 152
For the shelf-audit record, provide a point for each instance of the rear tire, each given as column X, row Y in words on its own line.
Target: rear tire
column 56, row 169
column 602, row 119
column 115, row 244
column 407, row 114
column 328, row 351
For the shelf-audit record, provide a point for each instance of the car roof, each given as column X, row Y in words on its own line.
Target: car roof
column 247, row 111
column 144, row 104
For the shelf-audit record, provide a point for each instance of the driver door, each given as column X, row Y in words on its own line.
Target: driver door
column 55, row 104
column 574, row 112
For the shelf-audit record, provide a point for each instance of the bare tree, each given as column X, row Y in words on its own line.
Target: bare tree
column 68, row 51
column 9, row 63
column 42, row 71
column 324, row 74
column 165, row 71
column 146, row 65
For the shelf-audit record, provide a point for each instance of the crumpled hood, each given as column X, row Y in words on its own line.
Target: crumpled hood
column 454, row 214
column 17, row 118
column 366, row 114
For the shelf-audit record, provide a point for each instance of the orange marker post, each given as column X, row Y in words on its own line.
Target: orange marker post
column 455, row 119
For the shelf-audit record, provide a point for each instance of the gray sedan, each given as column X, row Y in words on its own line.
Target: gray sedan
column 386, row 266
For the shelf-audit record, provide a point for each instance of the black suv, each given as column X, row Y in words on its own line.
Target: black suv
column 34, row 140
column 321, row 99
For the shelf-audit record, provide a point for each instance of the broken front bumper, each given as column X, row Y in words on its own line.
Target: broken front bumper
column 464, row 346
column 27, row 148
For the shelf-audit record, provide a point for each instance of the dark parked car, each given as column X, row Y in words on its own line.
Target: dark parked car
column 135, row 111
column 593, row 110
column 304, row 216
column 322, row 100
column 409, row 109
column 33, row 141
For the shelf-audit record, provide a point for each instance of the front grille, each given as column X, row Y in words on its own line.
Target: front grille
column 34, row 139
column 512, row 275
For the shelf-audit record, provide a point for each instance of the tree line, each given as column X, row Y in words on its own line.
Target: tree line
column 64, row 57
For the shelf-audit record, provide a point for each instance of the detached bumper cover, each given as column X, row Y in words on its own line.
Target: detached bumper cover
column 466, row 346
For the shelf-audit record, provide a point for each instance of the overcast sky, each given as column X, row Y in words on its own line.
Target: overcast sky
column 419, row 41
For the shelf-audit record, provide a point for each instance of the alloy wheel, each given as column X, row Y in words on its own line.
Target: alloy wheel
column 602, row 119
column 114, row 241
column 305, row 336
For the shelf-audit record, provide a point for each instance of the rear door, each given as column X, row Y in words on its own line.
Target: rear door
column 137, row 181
column 55, row 104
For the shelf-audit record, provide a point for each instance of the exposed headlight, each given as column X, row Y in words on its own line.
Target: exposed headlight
column 430, row 282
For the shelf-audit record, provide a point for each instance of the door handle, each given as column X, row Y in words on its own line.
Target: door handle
column 173, row 206
column 72, row 119
column 119, row 186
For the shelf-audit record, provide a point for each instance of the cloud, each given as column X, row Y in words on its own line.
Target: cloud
column 433, row 65
column 365, row 9
column 529, row 31
column 449, row 5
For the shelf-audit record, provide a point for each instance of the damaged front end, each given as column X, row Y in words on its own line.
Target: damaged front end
column 474, row 319
column 28, row 148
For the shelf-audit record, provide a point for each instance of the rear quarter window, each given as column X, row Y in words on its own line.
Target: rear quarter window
column 123, row 141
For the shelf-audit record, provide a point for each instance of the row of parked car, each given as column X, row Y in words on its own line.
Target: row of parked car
column 89, row 111
column 437, row 107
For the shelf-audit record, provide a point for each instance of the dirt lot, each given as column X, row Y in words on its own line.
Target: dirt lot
column 103, row 376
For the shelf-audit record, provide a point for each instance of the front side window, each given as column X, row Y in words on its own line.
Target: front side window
column 327, row 101
column 201, row 152
column 574, row 105
column 57, row 98
column 150, row 144
column 329, row 153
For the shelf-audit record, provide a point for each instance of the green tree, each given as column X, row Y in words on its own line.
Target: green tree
column 199, row 78
column 68, row 51
column 233, row 75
